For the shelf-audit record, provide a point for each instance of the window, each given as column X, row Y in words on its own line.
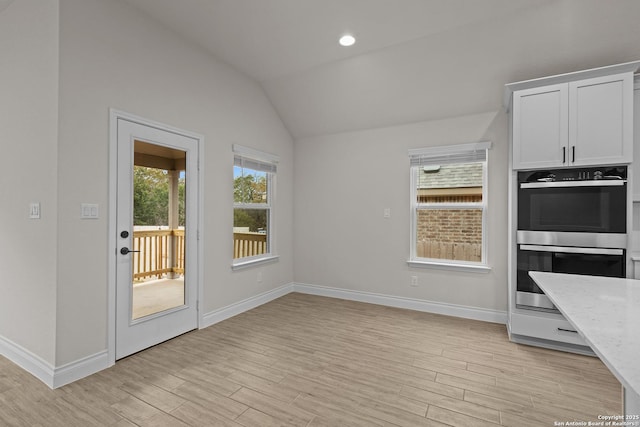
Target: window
column 254, row 174
column 449, row 206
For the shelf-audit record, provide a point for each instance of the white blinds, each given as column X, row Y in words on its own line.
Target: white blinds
column 461, row 153
column 249, row 158
column 257, row 165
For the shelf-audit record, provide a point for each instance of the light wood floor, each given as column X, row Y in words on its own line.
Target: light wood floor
column 312, row 361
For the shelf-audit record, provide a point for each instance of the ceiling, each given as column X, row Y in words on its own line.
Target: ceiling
column 414, row 60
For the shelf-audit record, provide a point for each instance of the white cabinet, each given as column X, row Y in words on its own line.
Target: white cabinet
column 540, row 127
column 551, row 328
column 631, row 405
column 636, row 145
column 579, row 123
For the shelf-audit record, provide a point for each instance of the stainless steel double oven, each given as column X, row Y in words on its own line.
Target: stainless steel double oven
column 570, row 221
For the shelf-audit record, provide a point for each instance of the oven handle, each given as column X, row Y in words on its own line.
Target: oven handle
column 571, row 250
column 590, row 183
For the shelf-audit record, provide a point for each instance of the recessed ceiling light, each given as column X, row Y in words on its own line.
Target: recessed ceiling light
column 347, row 40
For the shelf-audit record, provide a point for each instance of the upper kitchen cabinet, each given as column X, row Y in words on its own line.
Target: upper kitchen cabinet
column 601, row 120
column 570, row 120
column 540, row 127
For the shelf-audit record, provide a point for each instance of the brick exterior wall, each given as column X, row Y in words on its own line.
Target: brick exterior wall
column 450, row 225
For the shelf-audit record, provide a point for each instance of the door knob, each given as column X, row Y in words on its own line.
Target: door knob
column 126, row 250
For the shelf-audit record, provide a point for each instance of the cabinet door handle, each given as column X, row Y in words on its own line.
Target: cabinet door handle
column 567, row 330
column 564, row 154
column 573, row 154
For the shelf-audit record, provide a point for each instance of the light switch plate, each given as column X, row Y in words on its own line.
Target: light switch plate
column 89, row 211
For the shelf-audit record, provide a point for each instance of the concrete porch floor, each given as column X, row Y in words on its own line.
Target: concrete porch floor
column 153, row 296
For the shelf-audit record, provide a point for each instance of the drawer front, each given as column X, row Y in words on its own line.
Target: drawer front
column 545, row 328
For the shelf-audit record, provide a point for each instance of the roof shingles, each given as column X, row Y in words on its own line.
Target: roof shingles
column 452, row 176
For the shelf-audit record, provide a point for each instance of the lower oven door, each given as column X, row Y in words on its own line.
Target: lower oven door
column 560, row 259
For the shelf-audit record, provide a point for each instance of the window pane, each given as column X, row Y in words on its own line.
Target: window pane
column 455, row 183
column 249, row 186
column 453, row 234
column 250, row 228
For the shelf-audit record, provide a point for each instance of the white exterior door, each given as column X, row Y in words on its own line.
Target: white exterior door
column 160, row 265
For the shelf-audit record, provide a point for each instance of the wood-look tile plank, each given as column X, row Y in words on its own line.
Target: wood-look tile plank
column 435, row 387
column 512, row 395
column 457, row 405
column 315, row 361
column 251, row 418
column 162, row 420
column 456, row 419
column 153, row 395
column 590, row 409
column 134, row 409
column 445, row 368
column 205, row 378
column 333, row 413
column 208, row 398
column 513, row 420
column 196, row 415
column 496, row 403
column 276, row 408
column 267, row 387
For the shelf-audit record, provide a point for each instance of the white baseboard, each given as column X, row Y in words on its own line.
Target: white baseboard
column 81, row 368
column 56, row 377
column 486, row 315
column 45, row 372
column 28, row 361
column 224, row 313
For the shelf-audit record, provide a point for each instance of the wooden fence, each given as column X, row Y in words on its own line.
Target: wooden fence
column 453, row 251
column 249, row 244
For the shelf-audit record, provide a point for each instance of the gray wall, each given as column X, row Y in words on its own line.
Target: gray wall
column 28, row 134
column 69, row 66
column 345, row 181
column 113, row 56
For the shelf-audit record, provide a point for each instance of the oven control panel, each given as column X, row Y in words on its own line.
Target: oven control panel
column 579, row 174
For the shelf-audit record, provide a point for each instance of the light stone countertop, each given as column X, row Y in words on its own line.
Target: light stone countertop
column 606, row 313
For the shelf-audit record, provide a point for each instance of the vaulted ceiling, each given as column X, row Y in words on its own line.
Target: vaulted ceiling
column 413, row 60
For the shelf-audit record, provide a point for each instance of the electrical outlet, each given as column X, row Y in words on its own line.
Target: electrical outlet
column 259, row 279
column 414, row 281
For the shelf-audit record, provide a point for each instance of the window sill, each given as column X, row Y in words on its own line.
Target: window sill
column 439, row 265
column 247, row 263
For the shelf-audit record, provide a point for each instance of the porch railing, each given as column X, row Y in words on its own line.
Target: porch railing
column 163, row 251
column 249, row 244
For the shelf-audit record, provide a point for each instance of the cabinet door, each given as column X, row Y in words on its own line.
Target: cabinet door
column 601, row 120
column 636, row 151
column 540, row 127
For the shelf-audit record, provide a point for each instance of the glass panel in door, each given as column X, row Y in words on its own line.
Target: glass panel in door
column 159, row 182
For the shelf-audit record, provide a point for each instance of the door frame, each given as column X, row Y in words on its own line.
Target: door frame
column 114, row 116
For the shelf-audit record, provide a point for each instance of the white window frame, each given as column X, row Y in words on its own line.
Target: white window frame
column 266, row 163
column 452, row 154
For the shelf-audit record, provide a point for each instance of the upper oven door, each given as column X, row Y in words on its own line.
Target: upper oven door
column 580, row 206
